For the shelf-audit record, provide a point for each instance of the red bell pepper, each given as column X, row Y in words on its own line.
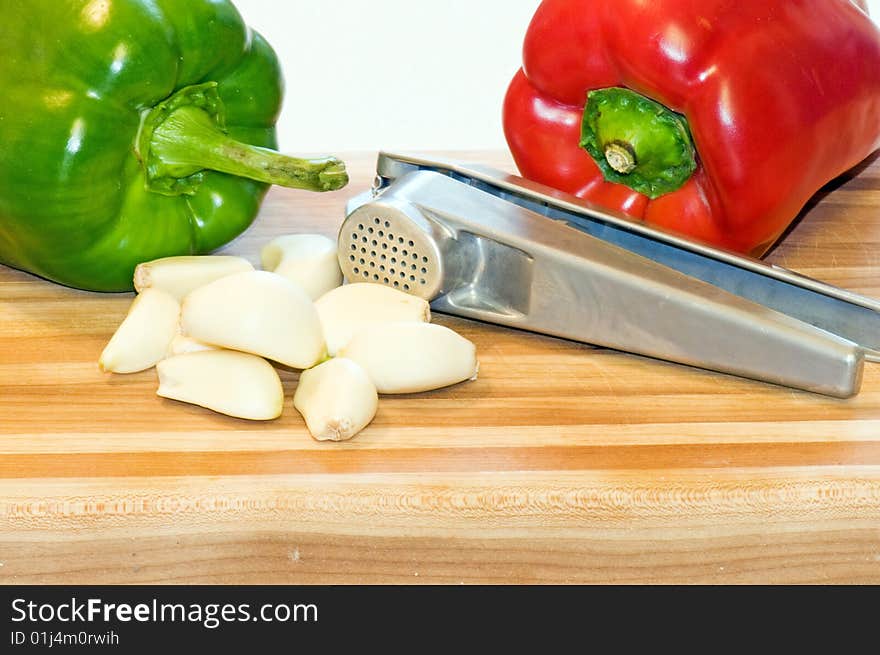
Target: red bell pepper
column 716, row 119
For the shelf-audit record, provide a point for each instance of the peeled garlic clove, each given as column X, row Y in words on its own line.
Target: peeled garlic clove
column 181, row 275
column 309, row 260
column 232, row 383
column 336, row 399
column 353, row 307
column 412, row 357
column 144, row 336
column 256, row 312
column 181, row 345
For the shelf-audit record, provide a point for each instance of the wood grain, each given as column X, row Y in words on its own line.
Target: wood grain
column 562, row 463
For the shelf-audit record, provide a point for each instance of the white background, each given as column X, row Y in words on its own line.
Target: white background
column 407, row 74
column 395, row 74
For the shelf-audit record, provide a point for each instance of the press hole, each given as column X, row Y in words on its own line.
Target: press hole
column 392, row 271
column 384, row 246
column 364, row 239
column 386, row 280
column 413, row 267
column 370, row 230
column 396, row 283
column 406, row 287
column 376, row 221
column 405, row 253
column 381, row 233
column 394, row 260
column 425, row 259
column 364, row 250
column 366, row 275
column 374, row 243
column 354, row 237
column 356, row 270
column 415, row 256
column 381, row 267
column 390, row 237
column 351, row 257
column 412, row 278
column 402, row 275
column 387, row 224
column 424, row 270
column 360, row 226
column 372, row 253
column 372, row 264
column 362, row 261
column 384, row 257
column 394, row 249
column 422, row 282
column 376, row 278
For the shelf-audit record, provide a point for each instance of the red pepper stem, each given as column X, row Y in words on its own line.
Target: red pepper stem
column 621, row 157
column 637, row 142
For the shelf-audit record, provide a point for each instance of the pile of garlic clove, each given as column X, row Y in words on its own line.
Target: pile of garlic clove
column 212, row 324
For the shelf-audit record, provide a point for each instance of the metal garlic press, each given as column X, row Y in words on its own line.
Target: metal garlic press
column 485, row 245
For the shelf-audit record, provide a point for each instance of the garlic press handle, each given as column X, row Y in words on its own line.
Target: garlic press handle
column 841, row 312
column 476, row 255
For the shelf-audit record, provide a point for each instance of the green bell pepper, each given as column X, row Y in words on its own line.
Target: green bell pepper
column 132, row 130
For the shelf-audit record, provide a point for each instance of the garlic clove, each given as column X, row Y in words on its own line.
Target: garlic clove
column 336, row 399
column 181, row 275
column 143, row 337
column 228, row 382
column 412, row 357
column 353, row 307
column 181, row 345
column 259, row 313
column 309, row 260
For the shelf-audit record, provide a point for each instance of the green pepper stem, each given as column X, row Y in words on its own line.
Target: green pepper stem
column 188, row 137
column 637, row 142
column 185, row 135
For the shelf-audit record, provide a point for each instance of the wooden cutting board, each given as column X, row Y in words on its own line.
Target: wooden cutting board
column 562, row 463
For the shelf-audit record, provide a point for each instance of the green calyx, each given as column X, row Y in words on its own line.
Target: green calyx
column 185, row 135
column 637, row 142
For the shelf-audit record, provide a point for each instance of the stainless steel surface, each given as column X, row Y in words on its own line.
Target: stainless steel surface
column 485, row 245
column 846, row 314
